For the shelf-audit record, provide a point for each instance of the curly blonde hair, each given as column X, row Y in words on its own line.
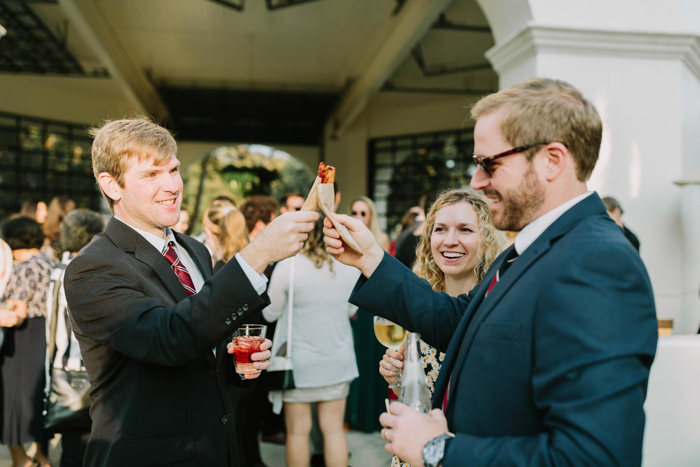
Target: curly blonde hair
column 492, row 242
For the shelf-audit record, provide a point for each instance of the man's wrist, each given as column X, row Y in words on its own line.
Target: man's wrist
column 254, row 257
column 434, row 450
column 372, row 261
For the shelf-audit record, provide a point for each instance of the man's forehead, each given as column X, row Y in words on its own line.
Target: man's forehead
column 147, row 161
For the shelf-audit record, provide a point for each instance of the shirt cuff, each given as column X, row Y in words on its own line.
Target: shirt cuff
column 258, row 281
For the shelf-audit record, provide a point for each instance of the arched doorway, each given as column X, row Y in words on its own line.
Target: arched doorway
column 241, row 171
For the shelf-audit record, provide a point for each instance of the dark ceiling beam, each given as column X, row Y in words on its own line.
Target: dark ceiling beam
column 444, row 23
column 238, row 6
column 430, row 71
column 30, row 46
column 390, row 87
column 247, row 116
column 277, row 4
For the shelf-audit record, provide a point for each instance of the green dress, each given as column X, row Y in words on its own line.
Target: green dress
column 367, row 392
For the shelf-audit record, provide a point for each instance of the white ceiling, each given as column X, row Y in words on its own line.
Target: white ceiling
column 315, row 46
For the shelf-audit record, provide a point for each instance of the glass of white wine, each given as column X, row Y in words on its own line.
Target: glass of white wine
column 390, row 335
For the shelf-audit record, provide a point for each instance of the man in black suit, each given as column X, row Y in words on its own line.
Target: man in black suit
column 548, row 358
column 152, row 321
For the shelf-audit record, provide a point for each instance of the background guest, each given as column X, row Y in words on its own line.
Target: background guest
column 615, row 211
column 291, row 202
column 408, row 221
column 24, row 348
column 253, row 403
column 364, row 209
column 323, row 357
column 258, row 211
column 183, row 224
column 226, row 232
column 408, row 240
column 459, row 223
column 58, row 208
column 77, row 229
column 35, row 209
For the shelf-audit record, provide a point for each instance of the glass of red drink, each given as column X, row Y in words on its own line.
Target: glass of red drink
column 246, row 341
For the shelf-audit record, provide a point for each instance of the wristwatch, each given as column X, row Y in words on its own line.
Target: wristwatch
column 434, row 450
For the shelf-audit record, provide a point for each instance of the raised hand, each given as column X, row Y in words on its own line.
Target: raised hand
column 390, row 365
column 261, row 360
column 335, row 246
column 282, row 238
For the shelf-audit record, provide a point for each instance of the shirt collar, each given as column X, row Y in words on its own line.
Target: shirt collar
column 534, row 229
column 157, row 242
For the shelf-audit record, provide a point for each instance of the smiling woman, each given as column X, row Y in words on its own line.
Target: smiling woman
column 457, row 246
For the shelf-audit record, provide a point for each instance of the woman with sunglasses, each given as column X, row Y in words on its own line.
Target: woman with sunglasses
column 364, row 209
column 458, row 244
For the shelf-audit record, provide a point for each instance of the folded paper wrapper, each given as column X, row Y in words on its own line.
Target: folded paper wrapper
column 322, row 196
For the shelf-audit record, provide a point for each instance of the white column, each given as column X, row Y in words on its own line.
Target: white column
column 645, row 82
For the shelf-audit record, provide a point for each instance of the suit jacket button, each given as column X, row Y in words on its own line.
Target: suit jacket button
column 224, row 419
column 245, row 307
column 240, row 312
column 228, row 321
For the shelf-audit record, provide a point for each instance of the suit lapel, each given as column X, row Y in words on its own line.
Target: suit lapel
column 202, row 261
column 130, row 241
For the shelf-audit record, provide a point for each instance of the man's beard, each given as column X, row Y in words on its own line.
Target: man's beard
column 521, row 204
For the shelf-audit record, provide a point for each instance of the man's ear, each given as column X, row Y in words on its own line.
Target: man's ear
column 109, row 186
column 556, row 159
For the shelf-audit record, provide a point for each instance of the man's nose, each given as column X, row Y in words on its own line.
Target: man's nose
column 480, row 180
column 172, row 183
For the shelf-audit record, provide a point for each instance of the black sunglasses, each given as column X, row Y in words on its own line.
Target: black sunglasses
column 486, row 162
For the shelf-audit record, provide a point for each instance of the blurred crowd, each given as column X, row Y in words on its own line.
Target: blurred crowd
column 35, row 333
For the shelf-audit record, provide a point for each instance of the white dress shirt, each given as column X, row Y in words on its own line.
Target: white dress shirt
column 534, row 229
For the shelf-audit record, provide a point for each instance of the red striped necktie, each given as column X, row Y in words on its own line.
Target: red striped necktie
column 507, row 262
column 180, row 270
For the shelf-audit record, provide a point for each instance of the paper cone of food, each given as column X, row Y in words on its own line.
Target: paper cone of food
column 326, row 201
column 311, row 203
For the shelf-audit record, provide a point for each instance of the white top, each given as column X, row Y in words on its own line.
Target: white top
column 534, row 229
column 323, row 352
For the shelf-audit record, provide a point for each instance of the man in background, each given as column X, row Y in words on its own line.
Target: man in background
column 615, row 211
column 291, row 202
column 258, row 211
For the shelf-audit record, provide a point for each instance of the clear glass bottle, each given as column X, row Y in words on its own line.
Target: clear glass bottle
column 414, row 386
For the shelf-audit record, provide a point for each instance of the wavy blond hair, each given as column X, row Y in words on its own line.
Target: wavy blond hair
column 228, row 225
column 492, row 243
column 315, row 249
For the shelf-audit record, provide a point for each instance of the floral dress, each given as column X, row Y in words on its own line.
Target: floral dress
column 432, row 361
column 22, row 365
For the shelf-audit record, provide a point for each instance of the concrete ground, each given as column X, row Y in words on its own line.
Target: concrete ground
column 366, row 449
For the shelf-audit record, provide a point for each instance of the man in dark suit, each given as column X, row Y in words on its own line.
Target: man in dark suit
column 151, row 320
column 548, row 358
